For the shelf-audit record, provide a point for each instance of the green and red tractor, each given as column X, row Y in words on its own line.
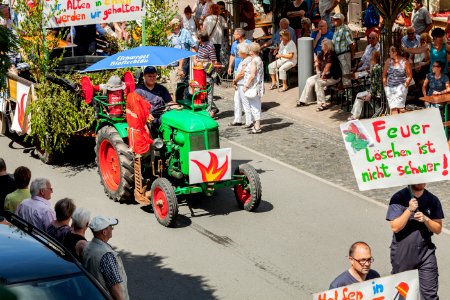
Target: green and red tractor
column 185, row 145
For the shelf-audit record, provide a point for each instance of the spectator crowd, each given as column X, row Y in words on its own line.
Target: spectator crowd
column 67, row 224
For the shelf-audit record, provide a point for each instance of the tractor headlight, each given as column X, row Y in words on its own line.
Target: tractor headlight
column 158, row 143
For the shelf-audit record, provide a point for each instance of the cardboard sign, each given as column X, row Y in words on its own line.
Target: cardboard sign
column 404, row 149
column 23, row 94
column 403, row 285
column 83, row 12
column 209, row 165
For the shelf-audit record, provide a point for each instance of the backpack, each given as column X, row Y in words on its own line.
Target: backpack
column 371, row 17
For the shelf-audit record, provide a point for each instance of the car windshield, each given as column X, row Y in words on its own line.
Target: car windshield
column 68, row 288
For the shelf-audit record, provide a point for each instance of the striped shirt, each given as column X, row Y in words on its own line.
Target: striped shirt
column 206, row 52
column 342, row 39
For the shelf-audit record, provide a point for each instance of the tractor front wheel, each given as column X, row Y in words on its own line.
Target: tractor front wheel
column 115, row 165
column 248, row 193
column 164, row 202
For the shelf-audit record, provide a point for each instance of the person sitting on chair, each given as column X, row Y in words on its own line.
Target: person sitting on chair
column 328, row 72
column 375, row 86
column 285, row 60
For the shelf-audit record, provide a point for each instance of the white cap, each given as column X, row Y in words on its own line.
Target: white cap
column 100, row 222
column 338, row 16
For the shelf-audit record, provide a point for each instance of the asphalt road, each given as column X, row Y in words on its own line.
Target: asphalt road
column 293, row 246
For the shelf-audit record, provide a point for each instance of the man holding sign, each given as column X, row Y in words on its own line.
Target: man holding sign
column 414, row 215
column 360, row 257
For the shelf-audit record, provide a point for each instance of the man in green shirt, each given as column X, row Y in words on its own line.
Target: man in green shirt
column 22, row 176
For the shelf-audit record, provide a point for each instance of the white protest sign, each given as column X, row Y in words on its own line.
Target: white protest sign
column 209, row 165
column 83, row 12
column 397, row 150
column 403, row 285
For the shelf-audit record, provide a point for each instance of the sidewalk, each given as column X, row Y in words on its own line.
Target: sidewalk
column 284, row 103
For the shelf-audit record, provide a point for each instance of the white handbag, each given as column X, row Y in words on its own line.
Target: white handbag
column 250, row 93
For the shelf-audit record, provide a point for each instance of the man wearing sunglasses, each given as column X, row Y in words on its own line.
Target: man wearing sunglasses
column 374, row 45
column 360, row 258
column 411, row 39
column 38, row 210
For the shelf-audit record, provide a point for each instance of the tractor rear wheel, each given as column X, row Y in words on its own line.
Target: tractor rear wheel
column 248, row 193
column 115, row 165
column 164, row 202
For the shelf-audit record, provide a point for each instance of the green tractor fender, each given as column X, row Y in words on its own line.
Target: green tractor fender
column 121, row 127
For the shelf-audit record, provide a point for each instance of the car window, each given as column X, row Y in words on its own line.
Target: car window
column 69, row 288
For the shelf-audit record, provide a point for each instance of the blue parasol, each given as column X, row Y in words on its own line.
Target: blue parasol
column 141, row 57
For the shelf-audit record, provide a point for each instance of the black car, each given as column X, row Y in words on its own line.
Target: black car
column 34, row 266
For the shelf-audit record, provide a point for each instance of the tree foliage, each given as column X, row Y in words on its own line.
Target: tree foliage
column 8, row 45
column 389, row 10
column 158, row 15
column 56, row 114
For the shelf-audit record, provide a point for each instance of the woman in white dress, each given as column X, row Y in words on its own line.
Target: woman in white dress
column 254, row 86
column 240, row 101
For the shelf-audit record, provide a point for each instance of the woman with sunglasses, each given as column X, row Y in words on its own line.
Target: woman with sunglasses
column 436, row 82
column 438, row 48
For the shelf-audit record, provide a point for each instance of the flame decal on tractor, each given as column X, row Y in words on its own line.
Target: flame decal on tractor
column 212, row 172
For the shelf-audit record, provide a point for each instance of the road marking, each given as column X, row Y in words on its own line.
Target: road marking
column 368, row 199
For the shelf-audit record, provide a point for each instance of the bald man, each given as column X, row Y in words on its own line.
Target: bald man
column 360, row 258
column 319, row 35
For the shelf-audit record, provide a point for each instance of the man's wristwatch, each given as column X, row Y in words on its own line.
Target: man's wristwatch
column 410, row 209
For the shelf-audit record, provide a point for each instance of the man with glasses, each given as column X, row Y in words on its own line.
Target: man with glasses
column 415, row 215
column 411, row 39
column 374, row 45
column 343, row 46
column 320, row 35
column 37, row 210
column 360, row 258
column 102, row 261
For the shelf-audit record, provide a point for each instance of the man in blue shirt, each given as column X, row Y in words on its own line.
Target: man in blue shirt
column 239, row 37
column 154, row 93
column 411, row 39
column 360, row 257
column 320, row 35
column 415, row 215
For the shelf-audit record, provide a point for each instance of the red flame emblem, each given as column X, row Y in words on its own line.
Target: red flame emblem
column 212, row 172
column 21, row 113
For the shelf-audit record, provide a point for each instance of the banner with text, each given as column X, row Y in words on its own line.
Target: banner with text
column 399, row 286
column 404, row 149
column 83, row 12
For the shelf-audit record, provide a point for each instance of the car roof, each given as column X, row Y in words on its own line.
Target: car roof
column 28, row 257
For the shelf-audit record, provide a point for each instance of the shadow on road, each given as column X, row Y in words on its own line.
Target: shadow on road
column 265, row 106
column 273, row 127
column 149, row 279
